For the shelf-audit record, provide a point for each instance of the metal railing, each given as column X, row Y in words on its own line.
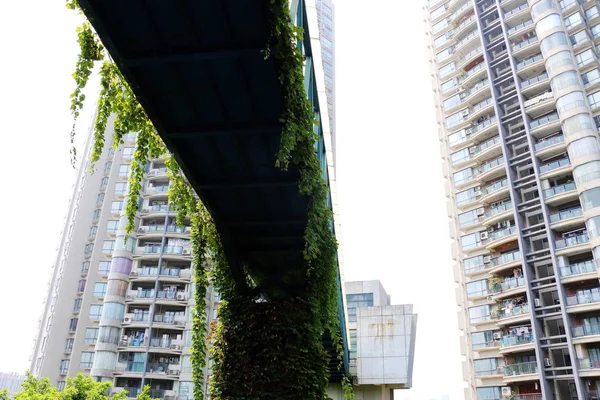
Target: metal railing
column 572, row 241
column 481, row 126
column 506, row 258
column 578, row 268
column 529, row 61
column 517, row 310
column 509, row 283
column 533, row 80
column 485, row 145
column 585, row 330
column 524, row 43
column 543, row 120
column 516, row 10
column 496, row 210
column 520, row 26
column 489, row 165
column 155, row 249
column 521, row 368
column 565, row 187
column 563, row 162
column 515, row 340
column 494, row 187
column 584, row 297
column 588, row 363
column 502, row 233
column 549, row 142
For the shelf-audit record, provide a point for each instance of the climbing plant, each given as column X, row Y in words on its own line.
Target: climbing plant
column 262, row 349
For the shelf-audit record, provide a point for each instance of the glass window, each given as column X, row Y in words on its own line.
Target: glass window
column 60, row 385
column 454, row 119
column 441, row 40
column 558, row 60
column 89, row 248
column 449, row 85
column 104, row 182
column 69, row 345
column 457, row 137
column 554, row 40
column 96, row 216
column 578, row 38
column 81, row 285
column 64, row 366
column 481, row 340
column 103, row 268
column 91, row 334
column 564, row 80
column 452, row 102
column 539, row 7
column 85, row 267
column 73, row 324
column 186, row 390
column 463, row 176
column 112, row 226
column 120, row 188
column 547, row 23
column 473, row 264
column 584, row 57
column 573, row 20
column 105, row 360
column 470, row 241
column 107, row 167
column 442, row 55
column 108, row 246
column 438, row 12
column 128, row 152
column 486, row 366
column 479, row 313
column 116, row 207
column 584, row 146
column 100, row 199
column 591, row 77
column 492, row 392
column 587, row 172
column 93, row 231
column 447, row 69
column 87, row 359
column 594, row 99
column 593, row 226
column 467, row 218
column 354, row 301
column 109, row 334
column 124, row 170
column 577, row 123
column 477, row 288
column 113, row 311
column 439, row 26
column 592, row 13
column 95, row 311
column 118, row 288
column 460, row 156
column 99, row 289
column 590, row 199
column 77, row 305
column 569, row 101
column 466, row 196
column 595, row 30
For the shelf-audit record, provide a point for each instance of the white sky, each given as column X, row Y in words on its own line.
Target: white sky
column 389, row 171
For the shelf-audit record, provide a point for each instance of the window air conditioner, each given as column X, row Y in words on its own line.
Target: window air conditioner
column 180, row 296
column 506, row 391
column 487, row 259
column 497, row 335
column 547, row 362
column 187, row 251
column 127, row 320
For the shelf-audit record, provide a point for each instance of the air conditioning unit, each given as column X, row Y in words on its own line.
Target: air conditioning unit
column 153, row 172
column 487, row 259
column 173, row 372
column 180, row 296
column 175, row 347
column 497, row 335
column 483, row 235
column 141, row 230
column 127, row 320
column 477, row 193
column 537, row 302
column 145, row 210
column 547, row 362
column 133, row 273
column 179, row 322
column 506, row 391
column 187, row 251
column 130, row 297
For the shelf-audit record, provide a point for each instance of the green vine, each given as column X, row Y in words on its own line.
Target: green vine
column 257, row 344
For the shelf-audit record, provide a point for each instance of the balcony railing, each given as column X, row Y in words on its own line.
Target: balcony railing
column 481, row 105
column 572, row 241
column 464, row 23
column 520, row 26
column 584, row 297
column 549, row 142
column 149, row 271
column 533, row 80
column 585, row 330
column 496, row 210
column 588, row 363
column 485, row 145
column 466, row 39
column 164, row 188
column 565, row 187
column 509, row 283
column 529, row 61
column 155, row 249
column 524, row 43
column 470, row 72
column 516, row 10
column 521, row 369
column 474, row 89
column 543, row 120
column 532, row 396
column 489, row 165
column 506, row 258
column 470, row 54
column 578, row 268
column 516, row 340
column 517, row 310
column 161, row 228
column 563, row 162
column 502, row 233
column 494, row 187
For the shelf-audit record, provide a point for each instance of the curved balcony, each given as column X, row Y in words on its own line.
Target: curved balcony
column 483, row 130
column 546, row 124
column 490, row 170
column 501, row 236
column 477, row 72
column 463, row 44
column 517, row 343
column 572, row 245
column 509, row 288
column 470, row 57
column 578, row 272
column 494, row 192
column 517, row 314
column 505, row 262
column 461, row 11
column 489, row 149
column 499, row 213
column 566, row 218
column 474, row 94
column 555, row 168
column 521, row 372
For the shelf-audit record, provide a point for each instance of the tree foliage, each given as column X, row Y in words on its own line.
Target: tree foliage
column 262, row 349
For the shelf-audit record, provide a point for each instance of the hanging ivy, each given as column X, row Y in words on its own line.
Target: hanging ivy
column 261, row 349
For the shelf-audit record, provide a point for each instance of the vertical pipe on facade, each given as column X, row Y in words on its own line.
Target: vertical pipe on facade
column 535, row 323
column 576, row 122
column 544, row 208
column 156, row 284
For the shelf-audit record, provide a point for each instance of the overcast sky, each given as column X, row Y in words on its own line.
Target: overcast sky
column 389, row 173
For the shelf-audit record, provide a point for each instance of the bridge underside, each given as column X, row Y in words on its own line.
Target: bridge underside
column 198, row 69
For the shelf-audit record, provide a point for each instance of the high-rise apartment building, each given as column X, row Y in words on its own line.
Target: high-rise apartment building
column 326, row 18
column 120, row 310
column 517, row 87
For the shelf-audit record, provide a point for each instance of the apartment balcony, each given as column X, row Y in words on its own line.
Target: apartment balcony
column 465, row 44
column 156, row 190
column 530, row 63
column 494, row 373
column 532, row 396
column 475, row 94
column 521, row 372
column 465, row 25
column 587, row 333
column 561, row 194
column 519, row 29
column 578, row 272
column 500, row 237
column 534, row 84
column 510, row 287
column 551, row 146
column 148, row 296
column 555, row 168
column 565, row 219
column 483, row 130
column 490, row 170
column 526, row 48
column 541, row 104
column 461, row 11
column 166, row 274
column 154, row 250
column 133, row 392
column 472, row 75
column 159, row 229
column 572, row 245
column 494, row 192
column 157, row 345
column 165, row 321
column 496, row 214
column 584, row 301
column 469, row 57
column 589, row 367
column 157, row 173
column 154, row 370
column 517, row 343
column 519, row 313
column 491, row 148
column 545, row 125
column 156, row 210
column 505, row 262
